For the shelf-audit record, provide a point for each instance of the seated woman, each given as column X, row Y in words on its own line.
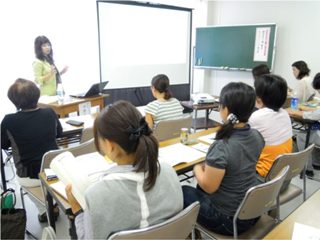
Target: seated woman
column 30, row 132
column 229, row 169
column 304, row 89
column 165, row 107
column 272, row 121
column 313, row 114
column 138, row 192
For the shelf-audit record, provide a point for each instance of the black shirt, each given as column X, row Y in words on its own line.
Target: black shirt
column 30, row 134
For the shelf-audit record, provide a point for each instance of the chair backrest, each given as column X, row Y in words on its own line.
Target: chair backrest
column 259, row 199
column 87, row 134
column 311, row 97
column 287, row 103
column 296, row 161
column 84, row 148
column 177, row 227
column 168, row 129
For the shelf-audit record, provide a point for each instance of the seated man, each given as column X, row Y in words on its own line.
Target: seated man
column 272, row 122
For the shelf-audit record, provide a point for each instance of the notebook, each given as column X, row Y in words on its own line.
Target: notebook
column 95, row 89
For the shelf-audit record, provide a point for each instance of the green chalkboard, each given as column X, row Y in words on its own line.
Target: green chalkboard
column 234, row 47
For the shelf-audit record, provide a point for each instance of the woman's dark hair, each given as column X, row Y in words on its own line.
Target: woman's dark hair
column 260, row 70
column 272, row 90
column 239, row 98
column 302, row 67
column 24, row 94
column 38, row 49
column 316, row 82
column 162, row 84
column 112, row 123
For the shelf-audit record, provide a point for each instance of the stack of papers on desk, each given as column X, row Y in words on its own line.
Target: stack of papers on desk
column 179, row 153
column 208, row 138
column 301, row 231
column 48, row 99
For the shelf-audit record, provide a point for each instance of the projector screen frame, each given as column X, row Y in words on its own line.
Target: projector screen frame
column 150, row 5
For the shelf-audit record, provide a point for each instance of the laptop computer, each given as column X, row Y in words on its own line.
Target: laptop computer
column 95, row 89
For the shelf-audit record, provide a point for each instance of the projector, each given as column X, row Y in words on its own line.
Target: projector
column 199, row 98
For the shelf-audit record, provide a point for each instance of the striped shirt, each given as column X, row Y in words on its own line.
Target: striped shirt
column 165, row 110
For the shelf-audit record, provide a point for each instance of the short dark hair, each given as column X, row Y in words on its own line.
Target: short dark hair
column 39, row 41
column 112, row 123
column 162, row 84
column 316, row 82
column 24, row 94
column 240, row 99
column 272, row 90
column 260, row 70
column 302, row 67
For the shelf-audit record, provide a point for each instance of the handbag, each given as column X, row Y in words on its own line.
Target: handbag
column 13, row 220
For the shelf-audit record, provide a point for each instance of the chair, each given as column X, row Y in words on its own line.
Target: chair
column 256, row 202
column 168, row 129
column 87, row 134
column 176, row 227
column 311, row 97
column 37, row 192
column 297, row 162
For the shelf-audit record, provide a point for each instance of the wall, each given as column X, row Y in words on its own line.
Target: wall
column 71, row 26
column 298, row 36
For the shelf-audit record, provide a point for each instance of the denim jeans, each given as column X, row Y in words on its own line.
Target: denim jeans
column 209, row 217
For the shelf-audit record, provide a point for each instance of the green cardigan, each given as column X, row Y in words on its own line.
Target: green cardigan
column 40, row 69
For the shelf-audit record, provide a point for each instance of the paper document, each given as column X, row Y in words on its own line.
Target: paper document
column 201, row 147
column 179, row 153
column 48, row 99
column 208, row 138
column 301, row 231
column 60, row 188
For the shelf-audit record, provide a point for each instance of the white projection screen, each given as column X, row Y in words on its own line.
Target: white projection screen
column 138, row 40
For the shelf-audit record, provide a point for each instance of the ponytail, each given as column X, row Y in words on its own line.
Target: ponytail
column 146, row 159
column 224, row 132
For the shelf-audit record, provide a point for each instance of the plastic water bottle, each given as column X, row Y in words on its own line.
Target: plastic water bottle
column 60, row 93
column 294, row 103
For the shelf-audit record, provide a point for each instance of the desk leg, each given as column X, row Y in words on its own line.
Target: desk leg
column 308, row 135
column 207, row 118
column 50, row 210
column 195, row 120
column 72, row 227
column 3, row 176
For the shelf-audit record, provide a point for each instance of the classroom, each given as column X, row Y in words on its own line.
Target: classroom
column 71, row 26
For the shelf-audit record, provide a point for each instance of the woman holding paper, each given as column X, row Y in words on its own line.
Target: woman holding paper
column 138, row 192
column 229, row 169
column 30, row 132
column 46, row 73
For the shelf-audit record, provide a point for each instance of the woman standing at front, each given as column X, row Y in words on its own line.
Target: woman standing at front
column 45, row 72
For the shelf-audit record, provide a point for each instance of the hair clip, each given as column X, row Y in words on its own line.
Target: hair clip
column 232, row 119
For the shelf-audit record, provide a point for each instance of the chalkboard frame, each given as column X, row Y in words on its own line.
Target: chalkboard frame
column 206, row 38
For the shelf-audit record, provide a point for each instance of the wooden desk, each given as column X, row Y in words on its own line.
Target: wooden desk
column 201, row 123
column 307, row 213
column 73, row 106
column 64, row 205
column 308, row 122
